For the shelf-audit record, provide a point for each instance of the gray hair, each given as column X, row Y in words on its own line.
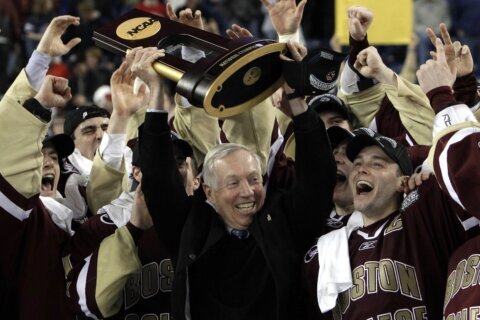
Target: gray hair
column 219, row 152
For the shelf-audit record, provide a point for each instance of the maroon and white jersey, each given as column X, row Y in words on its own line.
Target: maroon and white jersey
column 455, row 163
column 399, row 263
column 106, row 282
column 32, row 280
column 462, row 296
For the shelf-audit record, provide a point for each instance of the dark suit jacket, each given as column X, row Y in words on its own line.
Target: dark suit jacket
column 284, row 228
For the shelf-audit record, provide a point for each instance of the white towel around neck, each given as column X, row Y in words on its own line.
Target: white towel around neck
column 334, row 271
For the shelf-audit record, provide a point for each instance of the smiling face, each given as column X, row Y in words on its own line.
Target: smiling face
column 237, row 193
column 50, row 171
column 376, row 183
column 342, row 193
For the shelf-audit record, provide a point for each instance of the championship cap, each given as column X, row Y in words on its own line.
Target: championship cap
column 181, row 145
column 330, row 102
column 62, row 143
column 75, row 117
column 394, row 150
column 337, row 135
column 316, row 74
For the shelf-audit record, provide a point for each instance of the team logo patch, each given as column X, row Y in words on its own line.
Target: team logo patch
column 410, row 199
column 106, row 219
column 367, row 245
column 332, row 223
column 331, row 75
column 319, row 84
column 311, row 254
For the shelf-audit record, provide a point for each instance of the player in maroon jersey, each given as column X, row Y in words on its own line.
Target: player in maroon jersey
column 32, row 245
column 120, row 267
column 399, row 252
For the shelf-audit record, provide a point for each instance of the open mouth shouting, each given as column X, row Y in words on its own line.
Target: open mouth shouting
column 363, row 187
column 48, row 181
column 341, row 178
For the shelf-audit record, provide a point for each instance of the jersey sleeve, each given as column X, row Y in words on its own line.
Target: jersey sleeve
column 104, row 185
column 455, row 154
column 96, row 284
column 414, row 109
column 21, row 90
column 196, row 127
column 21, row 157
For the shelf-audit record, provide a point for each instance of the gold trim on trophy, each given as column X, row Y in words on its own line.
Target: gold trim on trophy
column 166, row 71
column 223, row 111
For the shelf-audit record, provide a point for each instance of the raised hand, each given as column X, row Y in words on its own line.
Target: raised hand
column 125, row 102
column 285, row 15
column 51, row 42
column 370, row 64
column 140, row 61
column 54, row 92
column 463, row 58
column 186, row 17
column 236, row 32
column 140, row 215
column 436, row 73
column 359, row 21
column 415, row 181
column 297, row 50
column 448, row 45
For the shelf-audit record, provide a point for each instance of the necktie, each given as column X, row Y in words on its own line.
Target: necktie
column 240, row 234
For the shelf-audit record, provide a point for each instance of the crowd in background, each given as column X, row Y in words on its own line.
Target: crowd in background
column 349, row 193
column 23, row 22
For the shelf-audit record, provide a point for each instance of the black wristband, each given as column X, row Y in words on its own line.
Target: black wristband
column 35, row 108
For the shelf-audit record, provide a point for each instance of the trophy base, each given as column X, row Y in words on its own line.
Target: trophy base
column 238, row 81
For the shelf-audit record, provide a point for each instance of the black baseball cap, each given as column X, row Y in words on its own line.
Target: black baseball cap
column 317, row 73
column 337, row 135
column 330, row 102
column 394, row 150
column 62, row 144
column 182, row 145
column 75, row 117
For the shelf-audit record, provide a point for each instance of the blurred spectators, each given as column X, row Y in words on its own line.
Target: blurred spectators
column 10, row 26
column 43, row 11
column 89, row 74
column 428, row 13
column 153, row 6
column 465, row 17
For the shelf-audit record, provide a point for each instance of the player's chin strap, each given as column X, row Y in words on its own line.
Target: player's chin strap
column 316, row 74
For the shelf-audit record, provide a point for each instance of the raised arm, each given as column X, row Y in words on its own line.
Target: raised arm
column 286, row 17
column 454, row 155
column 50, row 45
column 108, row 168
column 162, row 185
column 21, row 160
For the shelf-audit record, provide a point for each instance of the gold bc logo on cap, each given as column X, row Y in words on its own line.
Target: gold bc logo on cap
column 138, row 28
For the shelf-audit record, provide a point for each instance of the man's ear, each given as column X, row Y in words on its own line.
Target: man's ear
column 196, row 184
column 137, row 174
column 208, row 192
column 402, row 184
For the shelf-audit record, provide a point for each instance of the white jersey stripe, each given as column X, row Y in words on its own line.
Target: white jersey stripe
column 470, row 223
column 443, row 162
column 82, row 289
column 12, row 208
